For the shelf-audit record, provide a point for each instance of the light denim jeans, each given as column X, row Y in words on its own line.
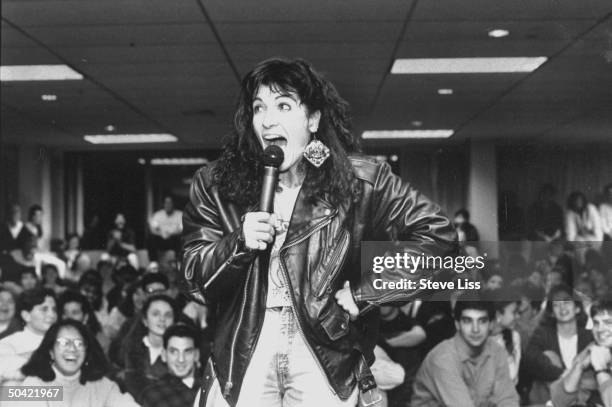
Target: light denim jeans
column 282, row 371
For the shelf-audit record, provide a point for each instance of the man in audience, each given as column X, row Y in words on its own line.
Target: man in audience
column 166, row 226
column 179, row 387
column 468, row 369
column 38, row 311
column 28, row 280
column 10, row 230
column 576, row 386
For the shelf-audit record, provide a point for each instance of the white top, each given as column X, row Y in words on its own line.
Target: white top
column 99, row 393
column 154, row 352
column 165, row 225
column 278, row 293
column 15, row 350
column 585, row 227
column 189, row 380
column 605, row 212
column 569, row 349
column 514, row 359
column 16, row 229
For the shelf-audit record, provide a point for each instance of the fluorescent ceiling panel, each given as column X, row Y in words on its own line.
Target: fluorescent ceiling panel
column 406, row 134
column 129, row 138
column 179, row 161
column 466, row 65
column 10, row 73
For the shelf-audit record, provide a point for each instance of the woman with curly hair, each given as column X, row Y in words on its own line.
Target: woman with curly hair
column 69, row 357
column 293, row 327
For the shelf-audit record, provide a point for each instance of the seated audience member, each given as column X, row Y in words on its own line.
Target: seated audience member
column 166, row 226
column 463, row 225
column 493, row 280
column 582, row 221
column 80, row 265
column 545, row 217
column 605, row 212
column 122, row 316
column 179, row 387
column 105, row 270
column 401, row 334
column 50, row 278
column 555, row 343
column 38, row 310
column 71, row 358
column 10, row 230
column 576, row 386
column 530, row 310
column 121, row 278
column 74, row 305
column 142, row 353
column 90, row 285
column 73, row 249
column 469, row 369
column 34, row 224
column 387, row 373
column 9, row 323
column 28, row 280
column 121, row 242
column 502, row 330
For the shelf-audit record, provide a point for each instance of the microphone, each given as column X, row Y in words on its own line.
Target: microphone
column 273, row 158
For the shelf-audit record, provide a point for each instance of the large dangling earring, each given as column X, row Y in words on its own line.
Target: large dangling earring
column 316, row 152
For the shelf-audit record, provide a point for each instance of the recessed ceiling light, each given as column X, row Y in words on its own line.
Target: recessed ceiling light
column 129, row 138
column 38, row 73
column 49, row 98
column 498, row 33
column 110, row 128
column 466, row 65
column 142, row 161
column 394, row 158
column 445, row 91
column 179, row 161
column 406, row 134
column 416, row 123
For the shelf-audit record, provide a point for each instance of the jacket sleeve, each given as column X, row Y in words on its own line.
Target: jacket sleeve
column 401, row 213
column 537, row 364
column 213, row 260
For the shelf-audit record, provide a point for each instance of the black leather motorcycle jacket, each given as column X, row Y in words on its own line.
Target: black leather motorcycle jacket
column 321, row 251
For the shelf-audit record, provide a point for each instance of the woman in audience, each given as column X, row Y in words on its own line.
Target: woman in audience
column 38, row 310
column 51, row 280
column 8, row 322
column 70, row 357
column 74, row 305
column 555, row 342
column 142, row 354
column 582, row 221
column 505, row 302
column 73, row 249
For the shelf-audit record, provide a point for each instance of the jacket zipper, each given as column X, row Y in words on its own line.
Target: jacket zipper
column 331, row 264
column 229, row 384
column 294, row 308
column 223, row 266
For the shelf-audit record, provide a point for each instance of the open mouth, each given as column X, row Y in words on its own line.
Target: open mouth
column 274, row 139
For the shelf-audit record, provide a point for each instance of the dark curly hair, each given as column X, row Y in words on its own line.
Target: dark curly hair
column 239, row 170
column 94, row 367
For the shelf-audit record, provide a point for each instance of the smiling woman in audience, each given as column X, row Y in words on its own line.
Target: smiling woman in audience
column 70, row 357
